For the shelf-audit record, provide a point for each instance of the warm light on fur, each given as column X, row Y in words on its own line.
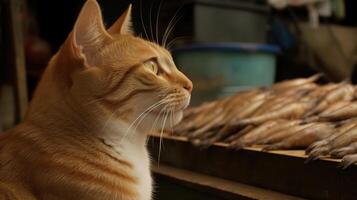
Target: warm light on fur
column 84, row 134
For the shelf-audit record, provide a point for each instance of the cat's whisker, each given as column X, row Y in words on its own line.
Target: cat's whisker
column 170, row 118
column 148, row 110
column 142, row 20
column 143, row 119
column 169, row 100
column 142, row 116
column 165, row 36
column 172, row 121
column 113, row 113
column 150, row 21
column 171, row 29
column 160, row 143
column 156, row 120
column 172, row 42
column 157, row 22
column 168, row 26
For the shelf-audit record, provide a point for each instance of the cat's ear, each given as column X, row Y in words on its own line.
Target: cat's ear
column 123, row 25
column 89, row 34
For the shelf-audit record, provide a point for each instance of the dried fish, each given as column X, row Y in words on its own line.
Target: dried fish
column 348, row 160
column 344, row 92
column 331, row 108
column 232, row 111
column 262, row 132
column 343, row 151
column 288, row 84
column 291, row 114
column 239, row 134
column 283, row 134
column 345, row 139
column 293, row 110
column 346, row 112
column 323, row 147
column 304, row 138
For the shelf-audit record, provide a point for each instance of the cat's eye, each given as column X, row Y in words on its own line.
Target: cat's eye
column 152, row 66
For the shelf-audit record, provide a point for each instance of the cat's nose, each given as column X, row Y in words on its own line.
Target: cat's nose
column 188, row 85
column 183, row 81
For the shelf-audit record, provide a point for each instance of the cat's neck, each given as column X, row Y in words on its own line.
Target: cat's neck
column 117, row 133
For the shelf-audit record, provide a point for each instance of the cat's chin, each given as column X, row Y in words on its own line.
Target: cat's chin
column 177, row 117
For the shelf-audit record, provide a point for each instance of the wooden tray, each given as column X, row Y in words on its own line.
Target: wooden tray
column 178, row 184
column 282, row 171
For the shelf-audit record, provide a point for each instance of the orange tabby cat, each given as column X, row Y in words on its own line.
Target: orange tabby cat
column 84, row 134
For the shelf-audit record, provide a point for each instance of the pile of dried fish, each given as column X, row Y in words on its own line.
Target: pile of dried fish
column 292, row 114
column 341, row 144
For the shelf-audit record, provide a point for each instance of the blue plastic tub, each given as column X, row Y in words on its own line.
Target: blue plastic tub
column 222, row 69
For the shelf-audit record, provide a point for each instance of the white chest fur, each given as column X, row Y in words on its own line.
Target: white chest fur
column 132, row 148
column 139, row 157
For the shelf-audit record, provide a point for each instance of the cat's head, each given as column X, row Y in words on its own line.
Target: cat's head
column 123, row 76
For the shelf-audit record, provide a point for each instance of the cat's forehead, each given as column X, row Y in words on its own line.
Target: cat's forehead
column 139, row 44
column 159, row 49
column 135, row 48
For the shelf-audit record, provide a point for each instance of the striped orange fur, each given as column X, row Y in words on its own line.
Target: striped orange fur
column 84, row 135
